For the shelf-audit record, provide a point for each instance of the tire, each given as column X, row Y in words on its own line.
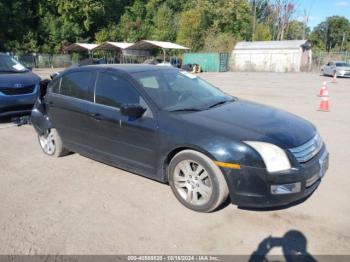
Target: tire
column 196, row 181
column 51, row 144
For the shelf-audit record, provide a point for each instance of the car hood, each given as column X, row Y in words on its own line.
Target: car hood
column 24, row 79
column 242, row 120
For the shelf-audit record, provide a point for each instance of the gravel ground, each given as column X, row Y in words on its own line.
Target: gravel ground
column 74, row 205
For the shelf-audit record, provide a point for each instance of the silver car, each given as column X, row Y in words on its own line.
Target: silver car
column 338, row 68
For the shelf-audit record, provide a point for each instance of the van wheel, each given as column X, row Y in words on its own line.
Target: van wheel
column 51, row 144
column 196, row 181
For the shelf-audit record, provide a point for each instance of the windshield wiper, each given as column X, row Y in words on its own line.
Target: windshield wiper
column 220, row 103
column 186, row 109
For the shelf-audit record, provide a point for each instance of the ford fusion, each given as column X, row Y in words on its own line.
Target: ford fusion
column 18, row 87
column 171, row 126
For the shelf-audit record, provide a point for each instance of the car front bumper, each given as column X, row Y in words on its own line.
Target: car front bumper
column 17, row 104
column 252, row 187
column 343, row 74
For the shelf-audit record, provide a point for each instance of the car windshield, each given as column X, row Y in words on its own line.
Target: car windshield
column 342, row 64
column 176, row 90
column 10, row 65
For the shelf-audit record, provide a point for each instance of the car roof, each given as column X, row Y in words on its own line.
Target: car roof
column 127, row 68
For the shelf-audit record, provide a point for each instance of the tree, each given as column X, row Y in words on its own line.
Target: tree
column 334, row 33
column 295, row 30
column 109, row 33
column 262, row 32
column 190, row 30
column 133, row 25
column 215, row 41
column 164, row 25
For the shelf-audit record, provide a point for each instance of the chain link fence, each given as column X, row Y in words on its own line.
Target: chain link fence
column 321, row 58
column 46, row 60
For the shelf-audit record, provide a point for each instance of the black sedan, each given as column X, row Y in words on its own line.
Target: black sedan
column 172, row 126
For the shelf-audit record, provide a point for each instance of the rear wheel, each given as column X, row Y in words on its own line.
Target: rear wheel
column 196, row 181
column 51, row 144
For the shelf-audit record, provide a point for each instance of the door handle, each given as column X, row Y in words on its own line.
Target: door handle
column 50, row 104
column 96, row 116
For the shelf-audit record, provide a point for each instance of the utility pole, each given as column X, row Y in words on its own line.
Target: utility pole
column 342, row 42
column 254, row 20
column 306, row 20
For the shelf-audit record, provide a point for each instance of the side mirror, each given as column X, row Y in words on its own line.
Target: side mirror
column 132, row 110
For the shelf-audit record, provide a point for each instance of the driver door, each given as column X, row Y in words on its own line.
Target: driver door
column 126, row 142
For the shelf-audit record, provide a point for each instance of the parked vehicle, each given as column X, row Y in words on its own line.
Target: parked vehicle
column 336, row 68
column 18, row 87
column 171, row 126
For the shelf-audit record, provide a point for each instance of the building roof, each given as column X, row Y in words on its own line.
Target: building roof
column 148, row 44
column 287, row 44
column 80, row 47
column 113, row 46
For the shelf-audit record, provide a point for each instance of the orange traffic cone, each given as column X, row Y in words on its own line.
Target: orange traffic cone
column 334, row 78
column 324, row 105
column 324, row 89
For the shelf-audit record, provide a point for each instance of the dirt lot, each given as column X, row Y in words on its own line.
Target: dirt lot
column 74, row 205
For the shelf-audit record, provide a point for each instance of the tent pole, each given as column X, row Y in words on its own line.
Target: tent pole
column 163, row 55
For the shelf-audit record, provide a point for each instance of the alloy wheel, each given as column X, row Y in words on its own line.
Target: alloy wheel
column 47, row 143
column 192, row 182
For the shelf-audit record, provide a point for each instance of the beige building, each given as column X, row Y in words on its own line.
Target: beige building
column 272, row 56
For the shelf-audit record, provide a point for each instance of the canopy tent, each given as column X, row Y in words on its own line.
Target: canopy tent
column 80, row 47
column 111, row 50
column 149, row 45
column 113, row 46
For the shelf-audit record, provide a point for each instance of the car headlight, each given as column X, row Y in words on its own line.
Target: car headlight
column 274, row 157
column 342, row 72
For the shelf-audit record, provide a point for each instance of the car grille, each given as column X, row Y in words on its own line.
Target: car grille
column 308, row 150
column 11, row 91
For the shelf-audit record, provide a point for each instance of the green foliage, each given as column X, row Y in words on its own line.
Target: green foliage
column 295, row 30
column 334, row 33
column 209, row 25
column 262, row 32
column 133, row 25
column 216, row 41
column 164, row 24
column 109, row 33
column 190, row 29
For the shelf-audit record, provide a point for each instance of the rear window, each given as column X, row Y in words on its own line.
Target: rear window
column 76, row 84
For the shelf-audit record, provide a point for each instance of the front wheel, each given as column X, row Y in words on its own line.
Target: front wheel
column 196, row 181
column 51, row 144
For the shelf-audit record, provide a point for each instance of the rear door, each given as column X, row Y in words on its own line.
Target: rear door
column 68, row 108
column 129, row 143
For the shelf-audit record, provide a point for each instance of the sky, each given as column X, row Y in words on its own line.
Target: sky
column 321, row 9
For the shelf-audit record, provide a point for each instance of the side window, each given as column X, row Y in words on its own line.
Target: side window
column 55, row 85
column 113, row 90
column 76, row 84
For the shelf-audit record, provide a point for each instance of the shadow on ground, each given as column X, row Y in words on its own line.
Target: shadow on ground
column 293, row 244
